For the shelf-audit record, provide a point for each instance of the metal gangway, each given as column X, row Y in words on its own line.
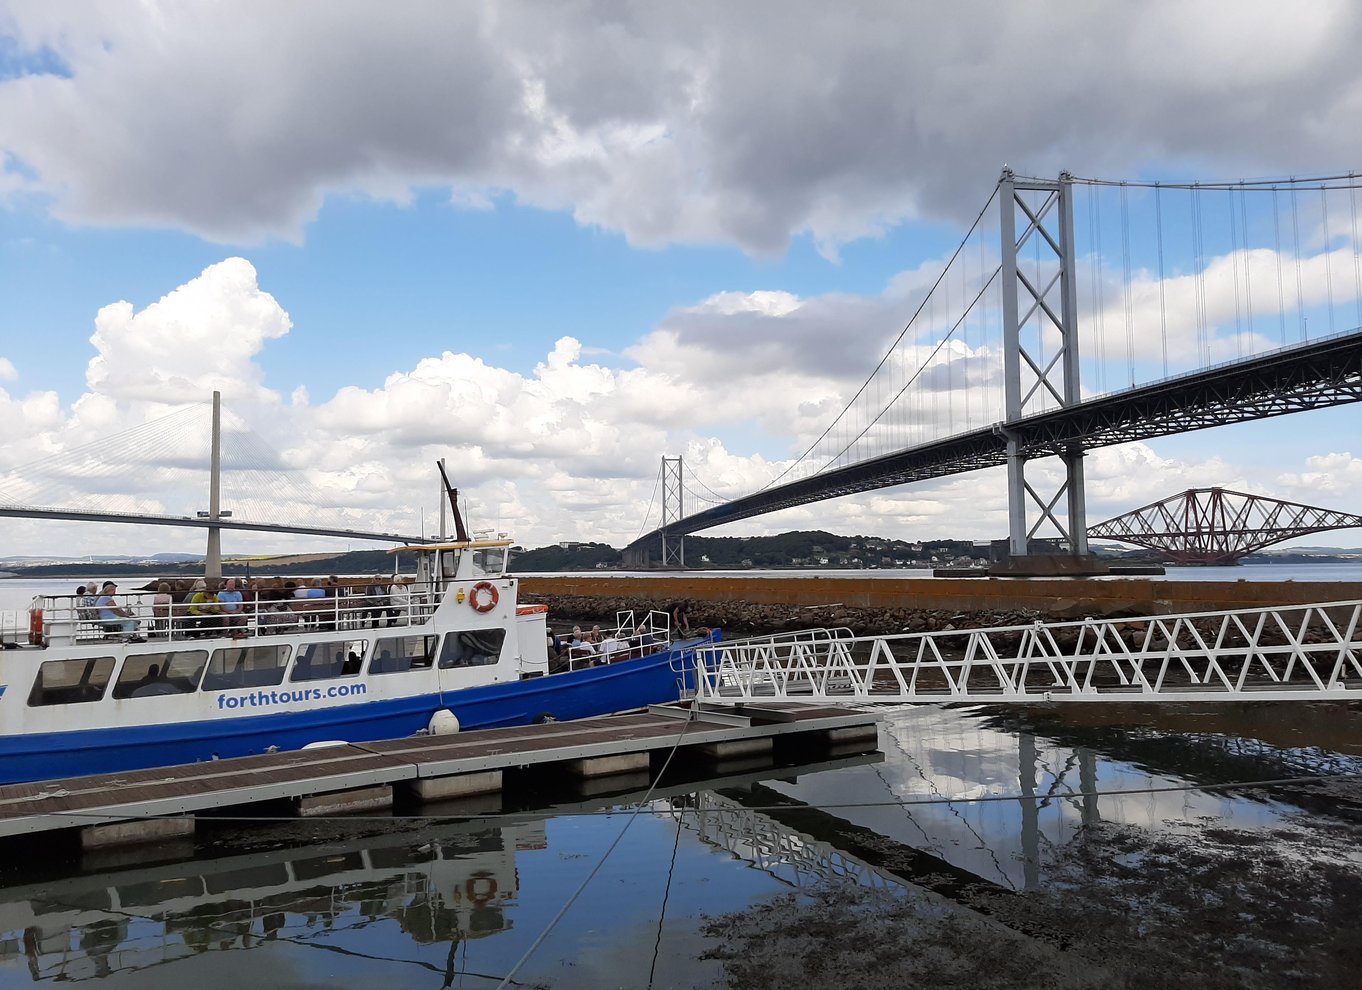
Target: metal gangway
column 1291, row 653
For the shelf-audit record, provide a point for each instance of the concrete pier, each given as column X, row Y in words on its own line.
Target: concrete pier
column 134, row 832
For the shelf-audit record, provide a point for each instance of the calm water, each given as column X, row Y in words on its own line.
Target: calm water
column 455, row 903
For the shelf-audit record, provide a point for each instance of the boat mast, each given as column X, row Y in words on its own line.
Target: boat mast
column 212, row 565
column 445, row 481
column 459, row 532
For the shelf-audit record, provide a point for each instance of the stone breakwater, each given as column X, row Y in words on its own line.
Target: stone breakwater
column 741, row 618
column 745, row 606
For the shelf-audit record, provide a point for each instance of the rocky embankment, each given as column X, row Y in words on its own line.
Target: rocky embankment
column 740, row 618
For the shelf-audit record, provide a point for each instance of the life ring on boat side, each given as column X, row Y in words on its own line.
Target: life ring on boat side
column 489, row 603
column 488, row 891
column 35, row 626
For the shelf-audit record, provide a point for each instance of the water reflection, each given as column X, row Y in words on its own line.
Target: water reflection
column 443, row 887
column 430, row 896
column 940, row 762
column 451, row 887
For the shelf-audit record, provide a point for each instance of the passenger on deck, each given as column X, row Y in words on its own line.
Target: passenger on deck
column 113, row 617
column 579, row 648
column 680, row 613
column 311, row 593
column 160, row 609
column 379, row 605
column 86, row 600
column 230, row 604
column 204, row 609
column 613, row 648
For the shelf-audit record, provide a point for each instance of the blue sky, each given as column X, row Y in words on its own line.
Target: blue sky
column 554, row 243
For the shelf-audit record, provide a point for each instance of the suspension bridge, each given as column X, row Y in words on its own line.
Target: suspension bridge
column 1205, row 320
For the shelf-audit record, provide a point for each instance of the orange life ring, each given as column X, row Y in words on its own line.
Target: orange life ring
column 35, row 626
column 492, row 596
column 471, row 888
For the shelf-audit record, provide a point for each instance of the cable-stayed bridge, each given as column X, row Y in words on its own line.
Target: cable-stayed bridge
column 89, row 482
column 1196, row 303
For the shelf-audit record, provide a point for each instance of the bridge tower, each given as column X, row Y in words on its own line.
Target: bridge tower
column 212, row 562
column 673, row 549
column 1040, row 363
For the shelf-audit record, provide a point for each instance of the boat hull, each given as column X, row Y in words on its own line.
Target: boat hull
column 628, row 684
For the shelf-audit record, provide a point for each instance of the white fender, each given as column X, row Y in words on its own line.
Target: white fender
column 443, row 723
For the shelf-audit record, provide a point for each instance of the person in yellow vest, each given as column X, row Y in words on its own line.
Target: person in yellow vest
column 204, row 611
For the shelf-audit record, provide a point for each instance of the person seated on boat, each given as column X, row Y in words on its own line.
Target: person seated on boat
column 614, row 648
column 145, row 683
column 378, row 604
column 113, row 617
column 273, row 617
column 86, row 602
column 160, row 608
column 595, row 636
column 309, row 597
column 231, row 605
column 579, row 648
column 204, row 611
column 333, row 593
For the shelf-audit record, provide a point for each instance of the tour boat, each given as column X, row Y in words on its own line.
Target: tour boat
column 448, row 648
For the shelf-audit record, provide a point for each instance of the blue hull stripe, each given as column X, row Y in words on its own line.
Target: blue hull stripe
column 579, row 694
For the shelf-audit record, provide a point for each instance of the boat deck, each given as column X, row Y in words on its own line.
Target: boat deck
column 175, row 792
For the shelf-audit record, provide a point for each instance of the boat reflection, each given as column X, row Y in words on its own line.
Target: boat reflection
column 446, row 888
column 441, row 885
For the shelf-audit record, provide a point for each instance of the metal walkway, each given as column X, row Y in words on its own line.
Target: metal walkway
column 1295, row 653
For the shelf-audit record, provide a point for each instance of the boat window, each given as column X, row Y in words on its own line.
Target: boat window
column 449, row 562
column 71, row 682
column 323, row 661
column 246, row 667
column 489, row 562
column 472, row 648
column 401, row 653
column 147, row 675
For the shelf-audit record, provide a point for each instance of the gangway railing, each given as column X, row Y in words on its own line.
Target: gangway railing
column 1302, row 652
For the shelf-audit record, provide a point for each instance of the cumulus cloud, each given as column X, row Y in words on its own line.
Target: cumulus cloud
column 567, row 449
column 702, row 122
column 203, row 336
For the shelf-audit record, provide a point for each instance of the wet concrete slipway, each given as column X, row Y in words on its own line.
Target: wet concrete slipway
column 1059, row 847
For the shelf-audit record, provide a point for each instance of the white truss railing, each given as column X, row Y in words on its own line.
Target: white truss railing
column 1302, row 652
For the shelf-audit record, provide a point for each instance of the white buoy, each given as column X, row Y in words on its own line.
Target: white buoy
column 326, row 743
column 444, row 723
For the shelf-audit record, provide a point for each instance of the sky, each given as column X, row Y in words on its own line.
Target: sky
column 553, row 242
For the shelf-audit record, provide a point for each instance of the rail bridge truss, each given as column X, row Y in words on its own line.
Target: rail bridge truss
column 1296, row 653
column 1217, row 525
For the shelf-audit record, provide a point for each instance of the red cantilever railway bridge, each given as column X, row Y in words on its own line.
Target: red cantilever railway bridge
column 1218, row 526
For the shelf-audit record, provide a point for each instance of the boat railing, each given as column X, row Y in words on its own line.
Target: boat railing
column 69, row 619
column 635, row 635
